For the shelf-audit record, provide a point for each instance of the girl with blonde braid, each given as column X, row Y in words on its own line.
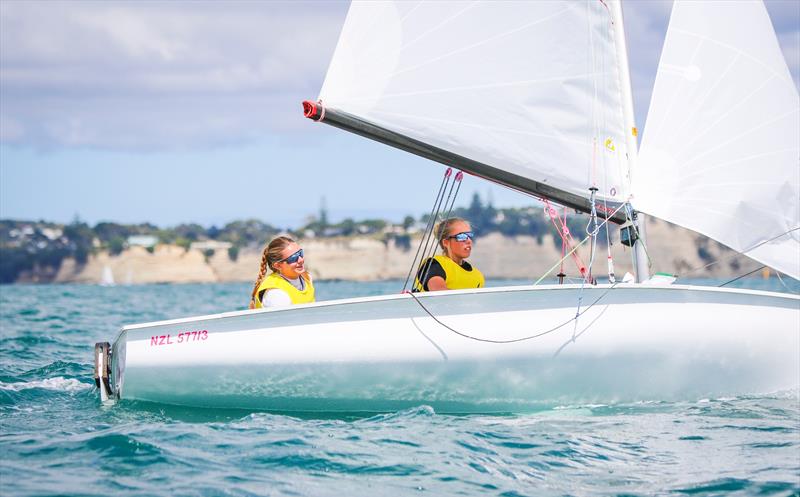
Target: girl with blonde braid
column 450, row 271
column 288, row 283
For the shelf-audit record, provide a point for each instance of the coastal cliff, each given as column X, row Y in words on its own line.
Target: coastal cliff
column 671, row 249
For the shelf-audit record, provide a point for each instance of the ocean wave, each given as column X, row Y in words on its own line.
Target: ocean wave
column 59, row 383
column 60, row 368
column 422, row 411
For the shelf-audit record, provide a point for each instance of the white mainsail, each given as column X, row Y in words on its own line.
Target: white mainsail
column 509, row 84
column 721, row 150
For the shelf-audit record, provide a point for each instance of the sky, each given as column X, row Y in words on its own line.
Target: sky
column 178, row 112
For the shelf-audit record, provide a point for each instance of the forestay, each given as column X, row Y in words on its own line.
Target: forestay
column 510, row 84
column 720, row 151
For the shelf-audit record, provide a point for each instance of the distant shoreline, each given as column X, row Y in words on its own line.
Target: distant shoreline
column 363, row 258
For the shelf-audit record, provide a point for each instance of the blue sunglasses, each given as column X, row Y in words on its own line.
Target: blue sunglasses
column 294, row 257
column 463, row 237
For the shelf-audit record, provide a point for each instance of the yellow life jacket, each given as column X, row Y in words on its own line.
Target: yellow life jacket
column 456, row 277
column 276, row 281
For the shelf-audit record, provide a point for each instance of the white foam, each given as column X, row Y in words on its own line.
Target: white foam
column 58, row 383
column 578, row 407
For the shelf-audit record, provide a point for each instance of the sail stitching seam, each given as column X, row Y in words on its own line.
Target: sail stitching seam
column 481, row 127
column 434, row 28
column 713, row 125
column 740, row 135
column 482, row 42
column 671, row 106
column 487, row 86
column 735, row 161
column 738, row 51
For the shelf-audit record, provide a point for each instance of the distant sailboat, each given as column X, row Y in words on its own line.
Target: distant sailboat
column 535, row 96
column 107, row 278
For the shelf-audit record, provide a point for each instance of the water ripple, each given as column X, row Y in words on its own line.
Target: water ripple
column 56, row 439
column 58, row 383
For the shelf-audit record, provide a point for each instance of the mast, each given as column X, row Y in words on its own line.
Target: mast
column 348, row 122
column 641, row 264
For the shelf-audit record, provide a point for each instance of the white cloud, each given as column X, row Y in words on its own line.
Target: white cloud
column 162, row 75
column 138, row 35
column 11, row 130
column 159, row 75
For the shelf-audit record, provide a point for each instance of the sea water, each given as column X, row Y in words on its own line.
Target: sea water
column 57, row 439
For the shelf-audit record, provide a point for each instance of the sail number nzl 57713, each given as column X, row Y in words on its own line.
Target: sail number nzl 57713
column 182, row 337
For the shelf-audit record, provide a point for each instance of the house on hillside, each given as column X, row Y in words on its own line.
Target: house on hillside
column 205, row 245
column 146, row 241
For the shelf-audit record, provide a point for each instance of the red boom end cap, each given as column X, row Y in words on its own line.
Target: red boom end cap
column 311, row 110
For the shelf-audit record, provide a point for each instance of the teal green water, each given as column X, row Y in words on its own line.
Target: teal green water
column 56, row 439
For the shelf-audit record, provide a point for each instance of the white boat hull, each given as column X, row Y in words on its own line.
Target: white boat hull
column 630, row 343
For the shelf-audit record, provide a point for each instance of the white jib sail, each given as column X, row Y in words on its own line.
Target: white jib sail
column 721, row 150
column 528, row 87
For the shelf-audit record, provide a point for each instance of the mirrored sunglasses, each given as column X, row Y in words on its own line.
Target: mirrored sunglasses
column 463, row 237
column 294, row 257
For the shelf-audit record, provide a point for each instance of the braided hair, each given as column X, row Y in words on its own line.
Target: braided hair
column 271, row 255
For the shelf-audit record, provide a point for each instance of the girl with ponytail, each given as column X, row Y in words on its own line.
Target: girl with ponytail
column 288, row 282
column 450, row 271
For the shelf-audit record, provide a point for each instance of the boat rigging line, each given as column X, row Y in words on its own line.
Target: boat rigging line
column 743, row 252
column 514, row 340
column 780, row 278
column 567, row 242
column 742, row 276
column 630, row 215
column 593, row 235
column 609, row 258
column 607, row 144
column 428, row 229
column 561, row 274
column 569, row 254
column 428, row 254
column 593, row 231
column 579, row 312
column 426, row 249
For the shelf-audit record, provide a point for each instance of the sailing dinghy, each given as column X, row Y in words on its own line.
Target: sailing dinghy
column 535, row 96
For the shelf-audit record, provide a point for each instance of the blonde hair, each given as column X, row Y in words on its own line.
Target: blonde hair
column 271, row 255
column 442, row 230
